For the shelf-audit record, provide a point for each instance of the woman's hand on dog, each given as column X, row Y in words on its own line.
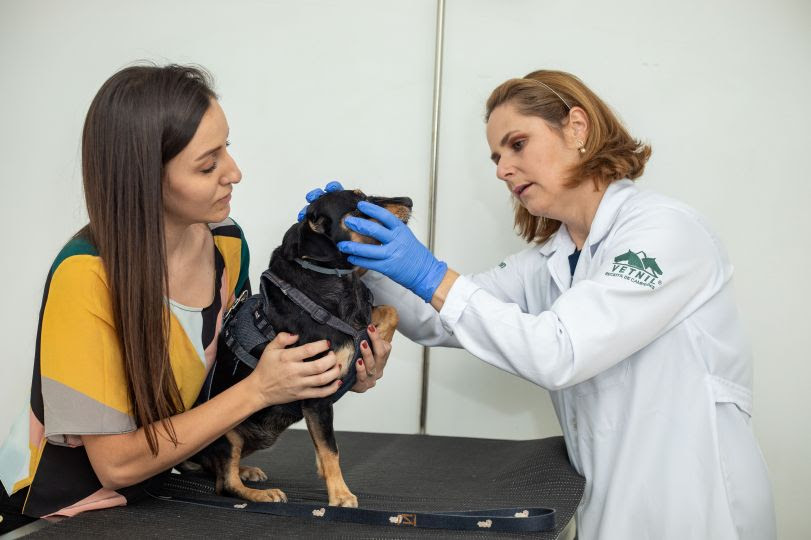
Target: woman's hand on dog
column 372, row 362
column 282, row 375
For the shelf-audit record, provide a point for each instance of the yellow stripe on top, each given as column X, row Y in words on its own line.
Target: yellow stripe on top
column 231, row 250
column 79, row 346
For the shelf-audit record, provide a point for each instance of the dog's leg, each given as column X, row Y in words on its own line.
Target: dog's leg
column 232, row 483
column 385, row 319
column 319, row 423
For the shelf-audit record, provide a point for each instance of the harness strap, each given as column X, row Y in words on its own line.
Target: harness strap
column 520, row 519
column 319, row 314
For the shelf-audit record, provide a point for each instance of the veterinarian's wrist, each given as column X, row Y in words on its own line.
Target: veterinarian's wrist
column 441, row 292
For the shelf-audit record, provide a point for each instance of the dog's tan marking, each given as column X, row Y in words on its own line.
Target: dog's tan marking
column 338, row 491
column 385, row 318
column 316, row 226
column 344, row 358
column 233, row 483
column 402, row 212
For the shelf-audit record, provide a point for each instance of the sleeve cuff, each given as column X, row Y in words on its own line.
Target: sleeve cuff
column 456, row 302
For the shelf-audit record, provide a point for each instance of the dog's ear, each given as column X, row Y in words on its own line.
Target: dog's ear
column 308, row 240
column 292, row 240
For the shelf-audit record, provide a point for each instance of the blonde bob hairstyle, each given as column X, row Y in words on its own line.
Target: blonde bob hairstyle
column 610, row 152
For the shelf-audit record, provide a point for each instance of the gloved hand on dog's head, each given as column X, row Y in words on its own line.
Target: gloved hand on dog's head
column 400, row 256
column 317, row 192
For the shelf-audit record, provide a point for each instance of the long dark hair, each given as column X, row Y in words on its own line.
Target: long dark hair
column 141, row 118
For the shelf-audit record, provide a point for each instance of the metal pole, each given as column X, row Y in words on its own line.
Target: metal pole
column 432, row 184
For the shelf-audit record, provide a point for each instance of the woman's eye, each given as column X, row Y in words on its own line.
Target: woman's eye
column 227, row 144
column 519, row 144
column 210, row 169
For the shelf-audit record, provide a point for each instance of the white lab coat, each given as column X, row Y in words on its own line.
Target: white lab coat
column 649, row 369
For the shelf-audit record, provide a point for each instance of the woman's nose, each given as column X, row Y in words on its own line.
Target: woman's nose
column 232, row 173
column 504, row 170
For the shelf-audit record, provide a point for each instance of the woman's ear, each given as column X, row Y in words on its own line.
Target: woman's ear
column 577, row 129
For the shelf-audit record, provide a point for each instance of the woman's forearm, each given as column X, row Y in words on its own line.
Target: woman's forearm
column 125, row 459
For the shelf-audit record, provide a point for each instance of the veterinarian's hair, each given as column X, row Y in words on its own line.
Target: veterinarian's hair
column 610, row 152
column 141, row 118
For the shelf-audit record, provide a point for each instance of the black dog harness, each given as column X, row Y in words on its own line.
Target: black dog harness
column 245, row 326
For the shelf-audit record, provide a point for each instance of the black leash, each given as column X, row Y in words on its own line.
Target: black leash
column 499, row 519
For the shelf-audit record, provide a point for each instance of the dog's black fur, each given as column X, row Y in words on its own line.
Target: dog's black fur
column 314, row 240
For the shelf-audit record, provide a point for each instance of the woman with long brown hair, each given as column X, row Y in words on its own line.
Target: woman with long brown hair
column 621, row 306
column 133, row 305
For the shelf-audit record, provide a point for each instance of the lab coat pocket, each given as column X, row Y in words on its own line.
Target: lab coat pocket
column 601, row 400
column 743, row 469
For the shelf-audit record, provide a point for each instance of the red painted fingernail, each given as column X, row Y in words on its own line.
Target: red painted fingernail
column 360, row 361
column 371, row 328
column 329, row 343
column 340, row 382
column 364, row 344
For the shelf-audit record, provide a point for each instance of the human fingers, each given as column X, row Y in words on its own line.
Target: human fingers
column 321, row 391
column 308, row 350
column 379, row 213
column 320, row 365
column 313, row 194
column 363, row 381
column 302, row 214
column 380, row 349
column 320, row 376
column 369, row 251
column 370, row 228
column 282, row 340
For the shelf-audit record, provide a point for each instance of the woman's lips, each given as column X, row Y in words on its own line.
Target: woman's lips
column 518, row 190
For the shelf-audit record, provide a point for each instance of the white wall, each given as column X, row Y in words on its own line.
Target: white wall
column 316, row 90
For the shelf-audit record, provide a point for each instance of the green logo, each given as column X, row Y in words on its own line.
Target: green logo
column 638, row 268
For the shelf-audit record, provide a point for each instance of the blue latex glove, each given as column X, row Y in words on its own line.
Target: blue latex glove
column 400, row 256
column 317, row 192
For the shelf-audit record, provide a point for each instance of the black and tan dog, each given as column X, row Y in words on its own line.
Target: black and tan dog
column 307, row 260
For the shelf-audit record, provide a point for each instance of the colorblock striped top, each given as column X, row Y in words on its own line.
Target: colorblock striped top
column 79, row 384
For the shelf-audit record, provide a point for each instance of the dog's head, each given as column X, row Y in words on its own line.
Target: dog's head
column 314, row 239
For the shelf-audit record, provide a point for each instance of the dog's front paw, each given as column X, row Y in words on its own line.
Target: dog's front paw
column 346, row 499
column 253, row 474
column 270, row 495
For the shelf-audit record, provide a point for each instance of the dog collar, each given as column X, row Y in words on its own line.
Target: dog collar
column 340, row 272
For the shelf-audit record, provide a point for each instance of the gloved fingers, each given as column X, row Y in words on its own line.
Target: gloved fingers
column 382, row 215
column 377, row 265
column 302, row 213
column 333, row 186
column 371, row 251
column 314, row 194
column 369, row 228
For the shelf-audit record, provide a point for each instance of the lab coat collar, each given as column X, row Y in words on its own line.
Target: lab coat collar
column 615, row 195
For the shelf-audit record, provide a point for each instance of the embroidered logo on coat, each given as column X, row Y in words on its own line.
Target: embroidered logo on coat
column 638, row 268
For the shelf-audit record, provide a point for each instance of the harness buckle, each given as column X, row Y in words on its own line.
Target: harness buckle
column 233, row 309
column 320, row 315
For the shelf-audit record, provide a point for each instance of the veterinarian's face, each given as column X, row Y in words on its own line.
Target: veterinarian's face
column 198, row 181
column 532, row 159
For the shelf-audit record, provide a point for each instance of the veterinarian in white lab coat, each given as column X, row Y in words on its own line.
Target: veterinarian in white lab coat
column 622, row 307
